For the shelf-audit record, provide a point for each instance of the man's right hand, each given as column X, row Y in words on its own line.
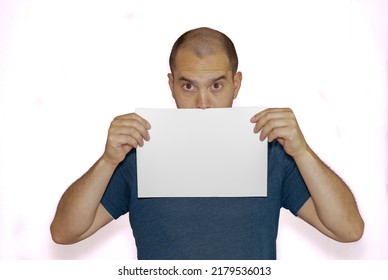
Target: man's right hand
column 80, row 213
column 125, row 132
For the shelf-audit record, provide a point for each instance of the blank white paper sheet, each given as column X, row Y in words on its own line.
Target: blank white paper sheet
column 202, row 153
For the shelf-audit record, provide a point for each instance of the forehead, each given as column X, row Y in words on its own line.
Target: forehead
column 187, row 61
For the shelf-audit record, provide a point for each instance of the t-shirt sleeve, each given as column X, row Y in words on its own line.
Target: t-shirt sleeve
column 294, row 190
column 117, row 195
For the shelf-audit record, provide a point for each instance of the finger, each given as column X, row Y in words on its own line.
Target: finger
column 256, row 117
column 279, row 133
column 134, row 116
column 131, row 125
column 128, row 124
column 263, row 118
column 130, row 131
column 270, row 119
column 121, row 140
column 271, row 125
column 269, row 111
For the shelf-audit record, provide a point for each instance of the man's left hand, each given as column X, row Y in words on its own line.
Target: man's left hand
column 281, row 124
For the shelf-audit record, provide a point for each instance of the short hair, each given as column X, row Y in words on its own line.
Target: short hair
column 204, row 41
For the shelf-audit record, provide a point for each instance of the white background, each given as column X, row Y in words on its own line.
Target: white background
column 67, row 68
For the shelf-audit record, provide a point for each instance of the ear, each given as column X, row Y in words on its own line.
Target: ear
column 237, row 83
column 171, row 83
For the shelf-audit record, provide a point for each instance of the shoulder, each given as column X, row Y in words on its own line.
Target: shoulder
column 126, row 170
column 280, row 163
column 129, row 160
column 278, row 156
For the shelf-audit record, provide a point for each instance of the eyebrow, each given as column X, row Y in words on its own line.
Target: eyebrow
column 184, row 79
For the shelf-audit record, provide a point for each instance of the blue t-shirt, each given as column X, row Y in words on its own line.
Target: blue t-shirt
column 207, row 228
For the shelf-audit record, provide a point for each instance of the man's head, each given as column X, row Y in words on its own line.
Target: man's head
column 203, row 65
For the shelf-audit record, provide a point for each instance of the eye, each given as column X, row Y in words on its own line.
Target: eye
column 188, row 87
column 217, row 86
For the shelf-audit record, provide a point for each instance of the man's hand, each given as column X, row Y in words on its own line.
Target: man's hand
column 331, row 208
column 80, row 213
column 281, row 124
column 125, row 132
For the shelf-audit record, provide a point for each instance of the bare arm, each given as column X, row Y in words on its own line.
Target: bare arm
column 76, row 216
column 79, row 213
column 332, row 208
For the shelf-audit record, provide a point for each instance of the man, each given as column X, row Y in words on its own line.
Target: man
column 204, row 75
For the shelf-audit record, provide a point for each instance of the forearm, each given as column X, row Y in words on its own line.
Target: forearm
column 334, row 203
column 77, row 208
